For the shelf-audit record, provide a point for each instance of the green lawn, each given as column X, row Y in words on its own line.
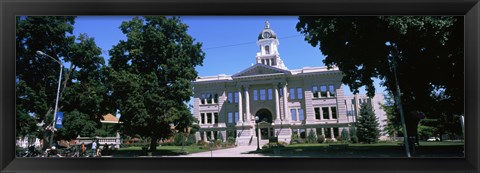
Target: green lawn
column 393, row 149
column 161, row 151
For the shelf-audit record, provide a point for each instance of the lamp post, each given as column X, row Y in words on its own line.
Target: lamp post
column 58, row 92
column 258, row 133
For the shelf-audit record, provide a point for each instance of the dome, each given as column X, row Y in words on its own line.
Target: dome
column 267, row 32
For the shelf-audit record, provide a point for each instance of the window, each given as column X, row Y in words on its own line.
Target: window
column 236, row 97
column 270, row 93
column 292, row 93
column 202, row 117
column 263, row 61
column 319, row 131
column 323, row 91
column 360, row 101
column 325, row 113
column 215, row 115
column 230, row 117
column 255, row 95
column 328, row 133
column 331, row 89
column 315, row 91
column 273, row 61
column 230, row 97
column 281, row 92
column 236, row 117
column 209, row 135
column 336, row 132
column 215, row 98
column 295, row 131
column 209, row 118
column 267, row 50
column 262, row 94
column 293, row 112
column 299, row 93
column 215, row 135
column 334, row 112
column 300, row 115
column 209, row 98
column 317, row 113
column 202, row 99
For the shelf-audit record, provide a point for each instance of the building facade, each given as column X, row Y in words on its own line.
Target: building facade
column 269, row 99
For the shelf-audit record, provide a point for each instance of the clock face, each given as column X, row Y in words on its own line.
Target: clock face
column 266, row 35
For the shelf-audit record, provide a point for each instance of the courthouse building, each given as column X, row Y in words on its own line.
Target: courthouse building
column 285, row 101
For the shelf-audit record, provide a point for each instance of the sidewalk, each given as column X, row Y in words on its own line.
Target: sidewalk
column 239, row 151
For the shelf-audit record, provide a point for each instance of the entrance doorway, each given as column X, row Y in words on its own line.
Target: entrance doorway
column 264, row 124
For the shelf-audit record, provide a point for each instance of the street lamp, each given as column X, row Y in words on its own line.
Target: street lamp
column 58, row 91
column 258, row 133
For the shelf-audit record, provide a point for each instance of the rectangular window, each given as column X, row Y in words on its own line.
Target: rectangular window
column 328, row 133
column 331, row 89
column 281, row 92
column 215, row 135
column 215, row 98
column 255, row 95
column 293, row 112
column 209, row 118
column 215, row 115
column 292, row 93
column 360, row 101
column 202, row 99
column 230, row 117
column 209, row 135
column 299, row 93
column 209, row 98
column 273, row 62
column 325, row 113
column 323, row 91
column 202, row 117
column 315, row 91
column 334, row 112
column 262, row 94
column 301, row 117
column 270, row 93
column 336, row 132
column 236, row 117
column 317, row 113
column 236, row 97
column 230, row 97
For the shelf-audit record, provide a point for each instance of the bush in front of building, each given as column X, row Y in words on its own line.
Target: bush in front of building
column 344, row 135
column 191, row 139
column 231, row 140
column 320, row 139
column 311, row 137
column 367, row 127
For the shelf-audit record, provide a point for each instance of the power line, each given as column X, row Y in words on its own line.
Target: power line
column 246, row 43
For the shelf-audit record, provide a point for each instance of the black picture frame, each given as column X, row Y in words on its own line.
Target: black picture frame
column 10, row 8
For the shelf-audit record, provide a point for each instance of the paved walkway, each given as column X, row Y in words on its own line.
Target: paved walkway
column 239, row 151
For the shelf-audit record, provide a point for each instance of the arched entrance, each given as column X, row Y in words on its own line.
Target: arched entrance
column 264, row 123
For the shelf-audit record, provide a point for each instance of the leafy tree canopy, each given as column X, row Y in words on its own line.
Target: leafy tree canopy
column 151, row 75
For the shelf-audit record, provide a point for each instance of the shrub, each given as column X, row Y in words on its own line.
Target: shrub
column 311, row 137
column 177, row 139
column 191, row 139
column 354, row 139
column 320, row 138
column 345, row 136
column 231, row 140
column 295, row 139
column 328, row 140
column 219, row 136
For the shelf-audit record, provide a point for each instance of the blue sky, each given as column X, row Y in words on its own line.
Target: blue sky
column 228, row 41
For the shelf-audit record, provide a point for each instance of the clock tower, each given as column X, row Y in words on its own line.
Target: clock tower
column 268, row 44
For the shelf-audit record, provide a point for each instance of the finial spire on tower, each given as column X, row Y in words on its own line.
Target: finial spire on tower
column 267, row 25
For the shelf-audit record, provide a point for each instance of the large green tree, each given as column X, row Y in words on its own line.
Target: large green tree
column 367, row 125
column 151, row 76
column 428, row 51
column 37, row 77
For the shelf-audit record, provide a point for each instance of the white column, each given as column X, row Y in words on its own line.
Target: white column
column 247, row 105
column 204, row 134
column 213, row 118
column 240, row 110
column 285, row 102
column 331, row 133
column 277, row 106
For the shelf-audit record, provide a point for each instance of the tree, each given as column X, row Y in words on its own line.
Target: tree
column 82, row 86
column 392, row 127
column 151, row 75
column 428, row 51
column 367, row 126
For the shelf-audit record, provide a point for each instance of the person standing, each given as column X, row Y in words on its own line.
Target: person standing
column 94, row 148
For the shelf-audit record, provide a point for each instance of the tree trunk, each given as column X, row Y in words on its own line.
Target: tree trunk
column 153, row 144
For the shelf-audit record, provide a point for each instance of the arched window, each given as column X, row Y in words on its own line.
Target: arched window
column 267, row 50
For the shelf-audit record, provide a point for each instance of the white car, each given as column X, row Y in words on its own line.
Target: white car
column 433, row 139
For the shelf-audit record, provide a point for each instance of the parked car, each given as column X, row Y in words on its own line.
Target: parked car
column 433, row 139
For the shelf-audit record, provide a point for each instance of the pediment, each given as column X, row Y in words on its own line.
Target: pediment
column 260, row 69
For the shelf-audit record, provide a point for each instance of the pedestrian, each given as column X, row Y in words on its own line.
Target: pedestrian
column 94, row 148
column 83, row 148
